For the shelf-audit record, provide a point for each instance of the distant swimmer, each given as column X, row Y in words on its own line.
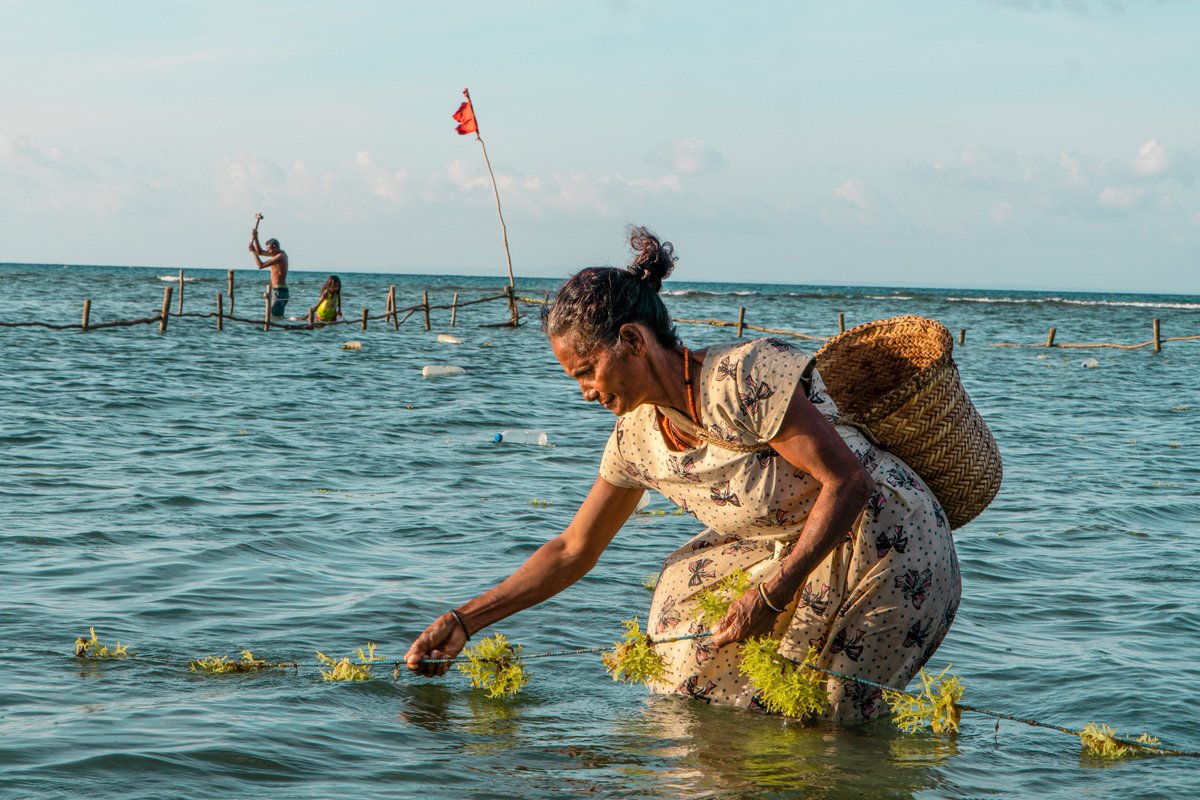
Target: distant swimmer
column 277, row 260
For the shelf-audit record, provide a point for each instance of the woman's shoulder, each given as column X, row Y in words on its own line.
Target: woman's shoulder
column 767, row 353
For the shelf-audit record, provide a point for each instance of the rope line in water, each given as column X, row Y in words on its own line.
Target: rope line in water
column 999, row 715
column 262, row 664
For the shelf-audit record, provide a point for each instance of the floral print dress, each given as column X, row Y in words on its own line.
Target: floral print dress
column 879, row 604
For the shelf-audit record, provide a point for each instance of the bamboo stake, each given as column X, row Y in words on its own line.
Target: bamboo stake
column 425, row 295
column 741, row 320
column 230, row 293
column 311, row 312
column 364, row 319
column 496, row 192
column 220, row 312
column 453, row 309
column 1050, row 338
column 1157, row 337
column 962, row 335
column 392, row 308
column 87, row 312
column 267, row 312
column 166, row 310
column 179, row 308
column 841, row 322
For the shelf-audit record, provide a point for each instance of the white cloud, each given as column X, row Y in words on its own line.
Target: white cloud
column 574, row 193
column 465, row 177
column 855, row 193
column 1120, row 196
column 1002, row 212
column 246, row 180
column 689, row 157
column 668, row 182
column 1073, row 168
column 1151, row 159
column 382, row 181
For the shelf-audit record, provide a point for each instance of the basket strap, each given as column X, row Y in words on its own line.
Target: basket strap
column 806, row 375
column 680, row 422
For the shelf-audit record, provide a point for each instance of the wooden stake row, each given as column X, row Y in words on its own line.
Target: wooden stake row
column 392, row 313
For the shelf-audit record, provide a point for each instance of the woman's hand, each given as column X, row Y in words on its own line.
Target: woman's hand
column 747, row 616
column 444, row 638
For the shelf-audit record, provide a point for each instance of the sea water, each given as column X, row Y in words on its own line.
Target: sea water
column 198, row 493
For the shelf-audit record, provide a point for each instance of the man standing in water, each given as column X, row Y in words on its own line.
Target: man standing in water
column 277, row 260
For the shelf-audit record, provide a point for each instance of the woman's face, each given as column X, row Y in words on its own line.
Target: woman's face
column 608, row 379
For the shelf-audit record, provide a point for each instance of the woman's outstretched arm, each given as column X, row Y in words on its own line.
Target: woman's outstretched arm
column 553, row 567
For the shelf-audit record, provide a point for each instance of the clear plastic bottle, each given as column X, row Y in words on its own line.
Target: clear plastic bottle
column 441, row 370
column 522, row 436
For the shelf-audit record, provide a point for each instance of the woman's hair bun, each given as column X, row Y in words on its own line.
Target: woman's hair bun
column 653, row 260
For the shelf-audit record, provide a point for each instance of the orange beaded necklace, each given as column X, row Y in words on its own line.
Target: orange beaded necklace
column 672, row 437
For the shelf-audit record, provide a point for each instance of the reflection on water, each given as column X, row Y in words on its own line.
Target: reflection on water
column 714, row 751
column 670, row 747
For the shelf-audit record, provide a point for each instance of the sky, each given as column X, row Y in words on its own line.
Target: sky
column 1020, row 144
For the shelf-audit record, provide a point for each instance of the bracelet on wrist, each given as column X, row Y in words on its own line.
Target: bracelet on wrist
column 458, row 618
column 763, row 594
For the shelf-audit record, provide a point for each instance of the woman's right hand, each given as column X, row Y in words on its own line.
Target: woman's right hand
column 444, row 638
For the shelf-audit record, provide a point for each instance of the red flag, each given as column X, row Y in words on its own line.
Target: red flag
column 465, row 116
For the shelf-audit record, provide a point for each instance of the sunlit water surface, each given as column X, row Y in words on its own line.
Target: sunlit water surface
column 201, row 492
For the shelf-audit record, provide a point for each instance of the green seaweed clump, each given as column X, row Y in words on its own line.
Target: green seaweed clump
column 634, row 660
column 651, row 582
column 220, row 665
column 495, row 665
column 936, row 705
column 347, row 670
column 91, row 648
column 784, row 687
column 1101, row 740
column 712, row 603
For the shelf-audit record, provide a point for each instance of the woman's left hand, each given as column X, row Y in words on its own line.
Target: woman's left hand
column 747, row 616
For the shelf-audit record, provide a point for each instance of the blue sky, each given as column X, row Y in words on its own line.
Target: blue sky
column 1034, row 144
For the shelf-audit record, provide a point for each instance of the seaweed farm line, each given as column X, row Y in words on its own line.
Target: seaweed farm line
column 392, row 315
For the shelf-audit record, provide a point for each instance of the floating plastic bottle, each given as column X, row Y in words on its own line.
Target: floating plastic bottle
column 521, row 436
column 446, row 338
column 439, row 370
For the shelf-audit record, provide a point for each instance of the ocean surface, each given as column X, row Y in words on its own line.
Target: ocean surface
column 198, row 493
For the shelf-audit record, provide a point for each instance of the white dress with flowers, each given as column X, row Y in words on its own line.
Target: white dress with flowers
column 879, row 604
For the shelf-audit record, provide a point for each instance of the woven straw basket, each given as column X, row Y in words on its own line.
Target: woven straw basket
column 896, row 380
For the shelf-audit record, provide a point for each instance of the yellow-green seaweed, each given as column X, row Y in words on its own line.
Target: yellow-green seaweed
column 92, row 648
column 495, row 665
column 1100, row 740
column 221, row 665
column 347, row 670
column 634, row 660
column 713, row 602
column 784, row 687
column 935, row 705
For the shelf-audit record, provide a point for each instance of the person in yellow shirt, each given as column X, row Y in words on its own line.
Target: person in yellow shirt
column 329, row 304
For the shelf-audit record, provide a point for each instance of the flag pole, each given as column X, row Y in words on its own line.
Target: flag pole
column 496, row 193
